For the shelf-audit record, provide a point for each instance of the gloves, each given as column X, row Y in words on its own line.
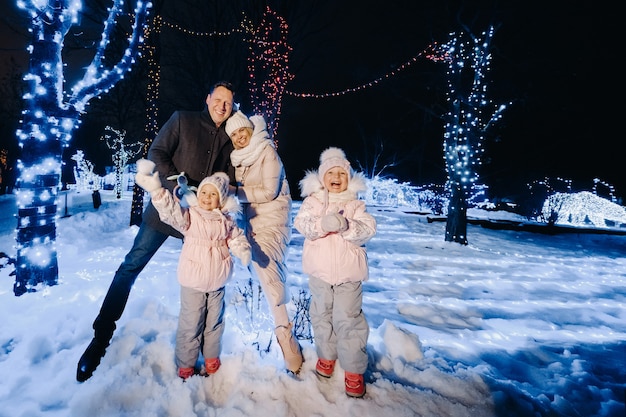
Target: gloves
column 186, row 197
column 245, row 258
column 145, row 166
column 149, row 182
column 334, row 222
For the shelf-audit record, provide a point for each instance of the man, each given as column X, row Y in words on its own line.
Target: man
column 193, row 142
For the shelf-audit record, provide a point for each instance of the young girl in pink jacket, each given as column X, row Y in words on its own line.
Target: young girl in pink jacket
column 205, row 264
column 336, row 226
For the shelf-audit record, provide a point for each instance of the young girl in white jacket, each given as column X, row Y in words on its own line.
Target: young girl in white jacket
column 205, row 264
column 336, row 226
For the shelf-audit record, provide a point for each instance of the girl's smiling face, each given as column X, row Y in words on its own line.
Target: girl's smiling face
column 336, row 180
column 208, row 197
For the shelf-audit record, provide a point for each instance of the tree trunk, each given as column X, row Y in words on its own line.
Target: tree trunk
column 456, row 224
column 46, row 126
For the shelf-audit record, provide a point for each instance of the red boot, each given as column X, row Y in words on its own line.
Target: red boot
column 185, row 373
column 211, row 365
column 325, row 367
column 355, row 387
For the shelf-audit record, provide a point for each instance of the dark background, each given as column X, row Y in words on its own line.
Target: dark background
column 556, row 62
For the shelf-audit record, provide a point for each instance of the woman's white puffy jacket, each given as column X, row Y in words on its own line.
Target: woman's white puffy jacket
column 336, row 257
column 266, row 210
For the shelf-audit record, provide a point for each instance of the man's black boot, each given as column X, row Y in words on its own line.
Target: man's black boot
column 90, row 360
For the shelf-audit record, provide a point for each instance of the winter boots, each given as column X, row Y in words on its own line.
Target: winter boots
column 355, row 386
column 185, row 373
column 90, row 360
column 290, row 347
column 325, row 367
column 211, row 366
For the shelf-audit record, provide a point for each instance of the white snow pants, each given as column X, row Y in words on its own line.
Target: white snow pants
column 340, row 329
column 200, row 326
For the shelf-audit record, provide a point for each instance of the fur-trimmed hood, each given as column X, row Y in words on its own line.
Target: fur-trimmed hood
column 231, row 205
column 311, row 185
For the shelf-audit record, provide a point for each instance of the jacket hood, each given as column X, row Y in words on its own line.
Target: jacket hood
column 311, row 184
column 231, row 205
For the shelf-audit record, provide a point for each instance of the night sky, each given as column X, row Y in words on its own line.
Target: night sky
column 555, row 61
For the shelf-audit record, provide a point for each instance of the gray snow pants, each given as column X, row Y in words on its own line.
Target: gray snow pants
column 200, row 326
column 340, row 329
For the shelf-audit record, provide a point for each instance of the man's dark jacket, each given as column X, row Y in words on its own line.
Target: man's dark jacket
column 188, row 142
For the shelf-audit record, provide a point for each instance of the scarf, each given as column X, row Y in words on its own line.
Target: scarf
column 250, row 154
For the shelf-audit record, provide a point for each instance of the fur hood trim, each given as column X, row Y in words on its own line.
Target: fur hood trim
column 231, row 205
column 311, row 184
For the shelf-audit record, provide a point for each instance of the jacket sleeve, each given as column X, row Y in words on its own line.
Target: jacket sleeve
column 307, row 222
column 238, row 244
column 163, row 148
column 361, row 225
column 170, row 211
column 270, row 184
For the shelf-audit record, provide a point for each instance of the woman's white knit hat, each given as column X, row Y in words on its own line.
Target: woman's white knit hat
column 330, row 158
column 237, row 121
column 220, row 181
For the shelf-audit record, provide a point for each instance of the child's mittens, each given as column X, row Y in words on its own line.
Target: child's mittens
column 145, row 166
column 334, row 222
column 149, row 182
column 245, row 257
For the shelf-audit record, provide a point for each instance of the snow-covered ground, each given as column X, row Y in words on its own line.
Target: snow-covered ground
column 513, row 324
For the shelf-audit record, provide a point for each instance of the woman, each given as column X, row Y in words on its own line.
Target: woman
column 263, row 192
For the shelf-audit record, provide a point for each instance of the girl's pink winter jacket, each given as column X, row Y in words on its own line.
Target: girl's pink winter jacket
column 205, row 262
column 336, row 257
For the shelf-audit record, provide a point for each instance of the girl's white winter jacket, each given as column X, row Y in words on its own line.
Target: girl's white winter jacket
column 205, row 263
column 336, row 257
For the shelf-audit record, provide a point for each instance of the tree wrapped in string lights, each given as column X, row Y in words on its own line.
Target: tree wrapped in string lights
column 470, row 116
column 50, row 116
column 268, row 66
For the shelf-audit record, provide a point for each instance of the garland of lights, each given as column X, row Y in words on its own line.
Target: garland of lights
column 268, row 62
column 48, row 120
column 149, row 52
column 431, row 52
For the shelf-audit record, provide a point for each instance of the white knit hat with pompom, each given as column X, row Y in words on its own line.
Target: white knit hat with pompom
column 237, row 121
column 220, row 181
column 330, row 158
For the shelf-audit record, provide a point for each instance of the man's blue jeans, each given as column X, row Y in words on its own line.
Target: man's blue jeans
column 146, row 244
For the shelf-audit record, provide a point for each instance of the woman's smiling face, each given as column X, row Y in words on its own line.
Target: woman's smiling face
column 241, row 137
